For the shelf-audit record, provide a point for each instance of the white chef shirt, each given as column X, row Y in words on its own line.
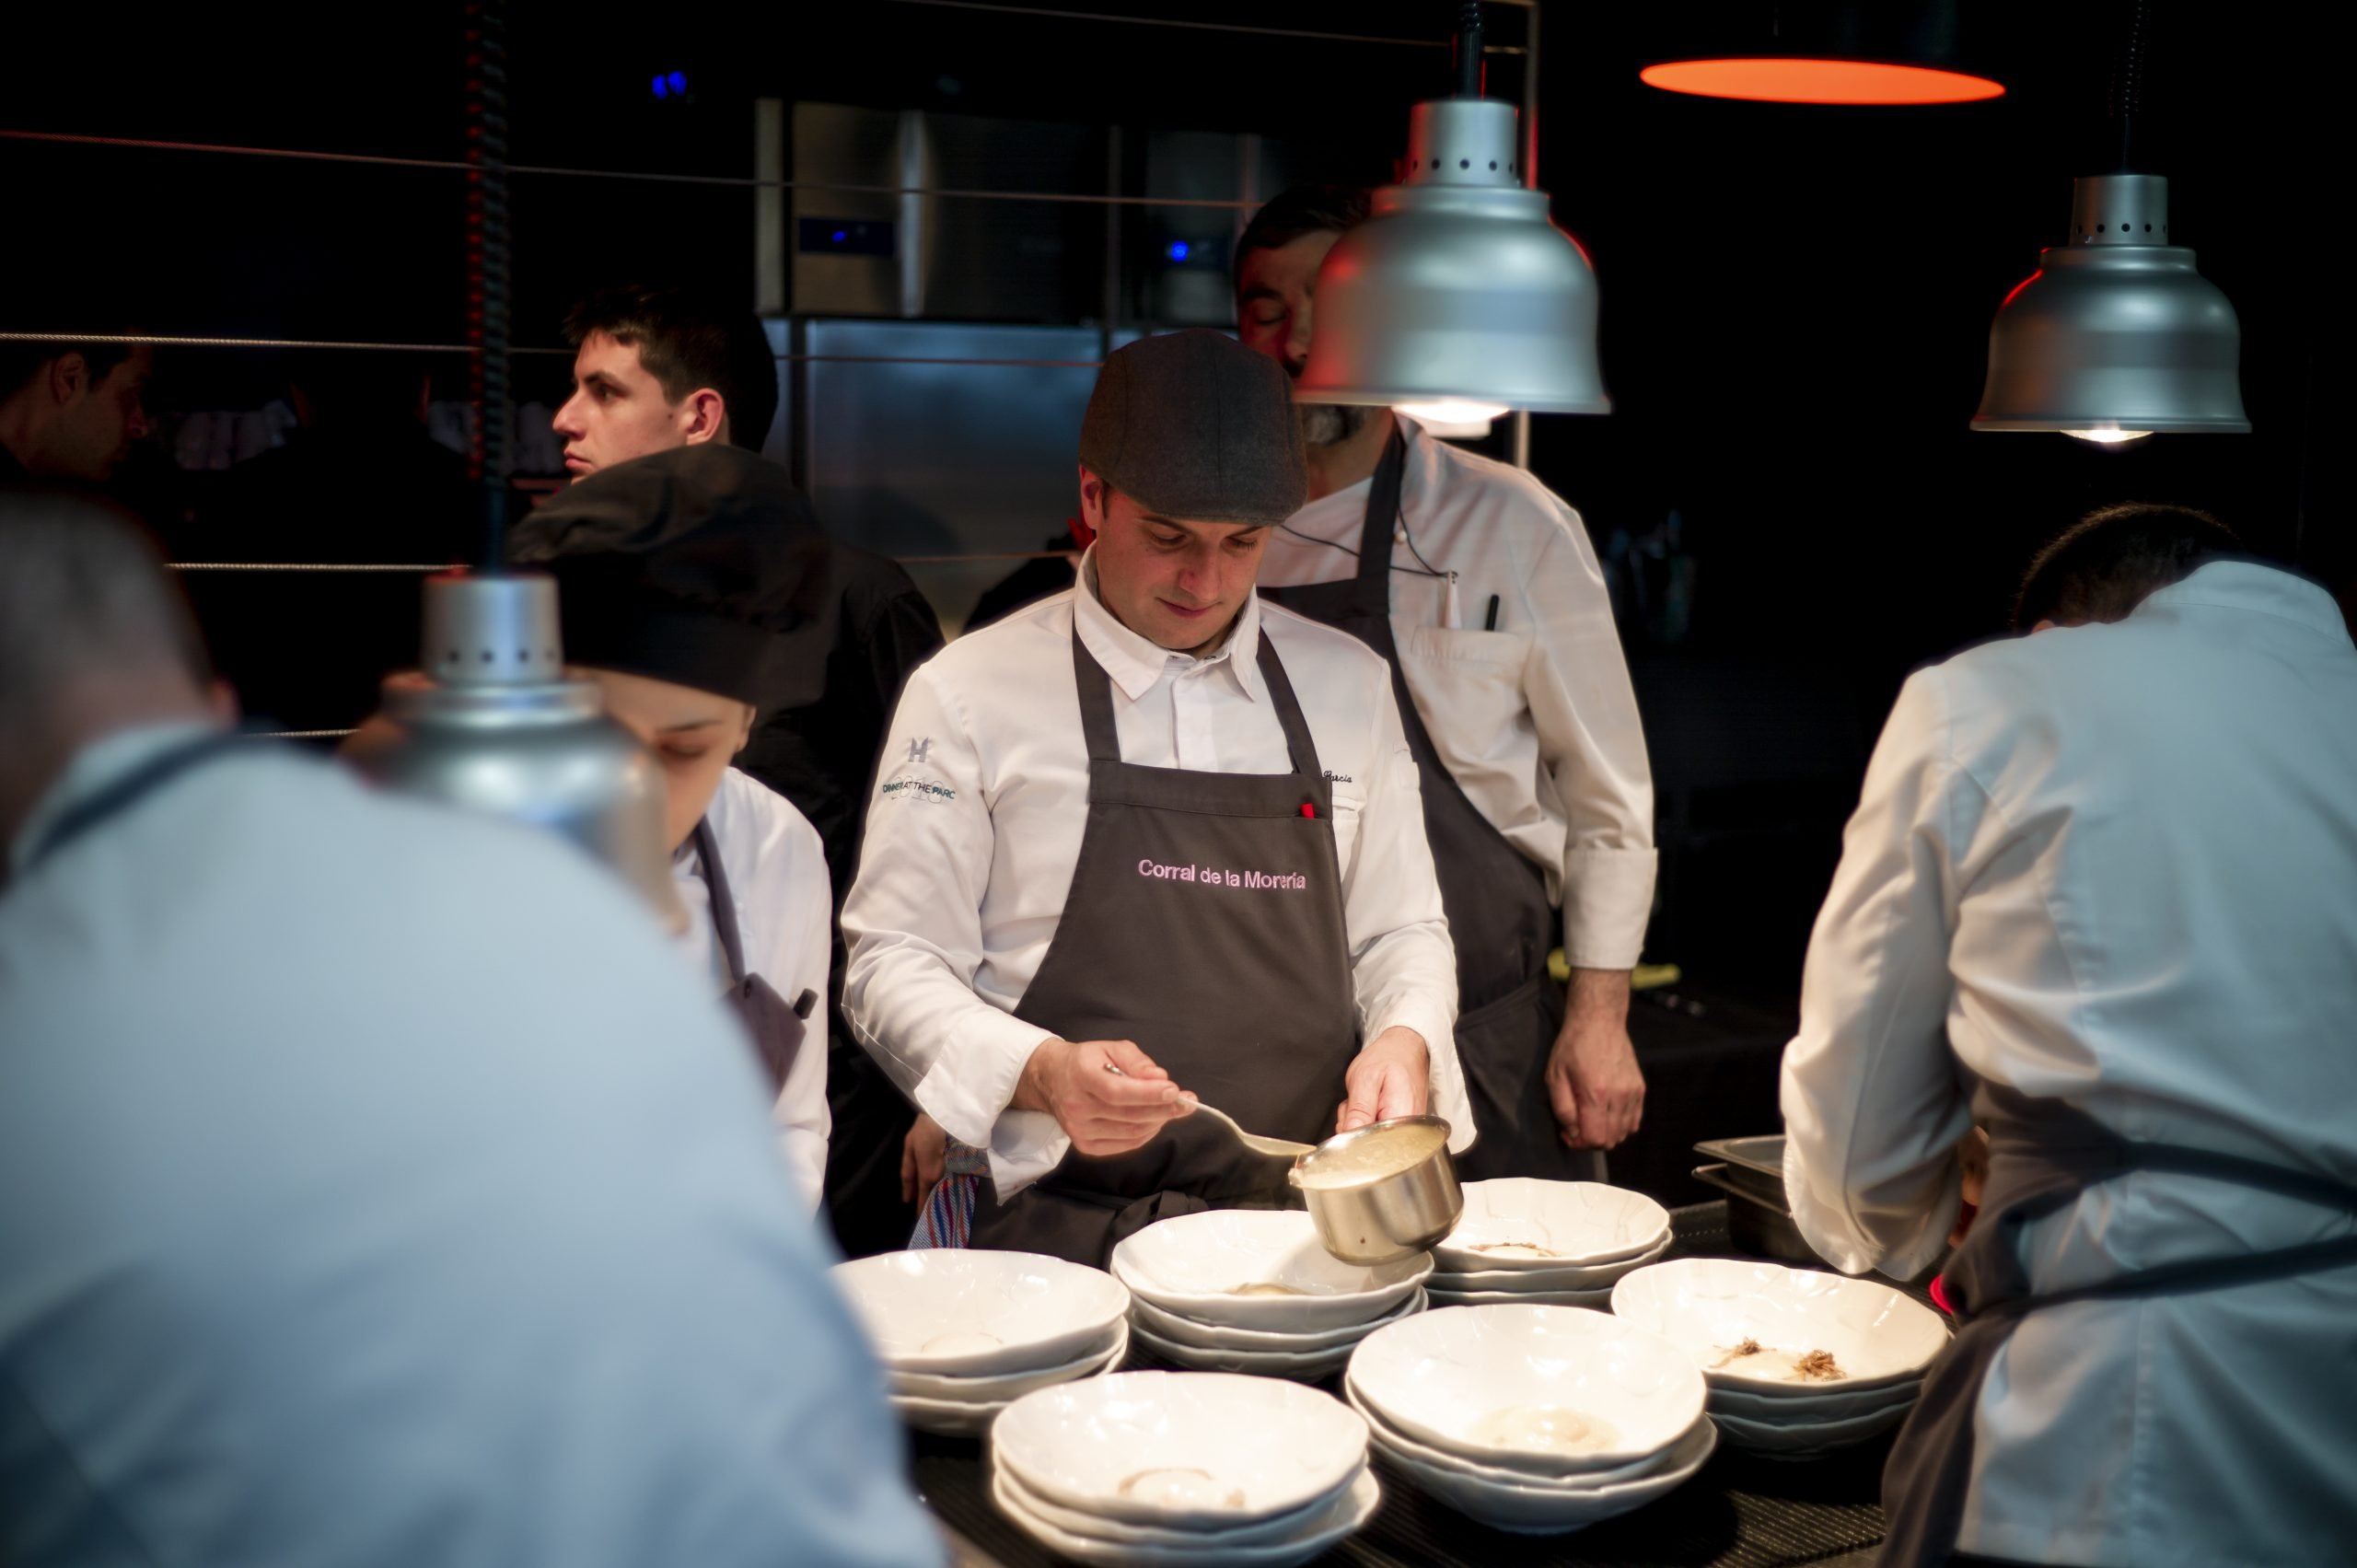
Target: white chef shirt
column 376, row 1188
column 2116, row 865
column 777, row 875
column 976, row 825
column 1535, row 721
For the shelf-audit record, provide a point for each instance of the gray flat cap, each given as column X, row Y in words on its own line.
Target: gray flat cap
column 1197, row 427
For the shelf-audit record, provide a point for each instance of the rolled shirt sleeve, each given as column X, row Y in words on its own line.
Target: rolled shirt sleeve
column 1872, row 1100
column 1591, row 749
column 913, row 928
column 1403, row 967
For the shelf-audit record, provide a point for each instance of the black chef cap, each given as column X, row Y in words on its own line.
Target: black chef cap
column 692, row 565
column 1197, row 427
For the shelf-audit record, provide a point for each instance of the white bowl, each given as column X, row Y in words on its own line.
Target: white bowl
column 1347, row 1514
column 1194, row 1266
column 1598, row 1276
column 972, row 1417
column 1487, row 1382
column 1535, row 1509
column 1797, row 1408
column 1309, row 1367
column 1009, row 1386
column 1170, row 1326
column 975, row 1313
column 1196, row 1450
column 1569, row 1223
column 1780, row 1437
column 1594, row 1300
column 1305, row 1520
column 1708, row 1306
column 1383, row 1434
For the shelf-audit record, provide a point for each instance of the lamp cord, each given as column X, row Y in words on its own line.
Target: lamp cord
column 1470, row 65
column 2126, row 94
column 488, row 252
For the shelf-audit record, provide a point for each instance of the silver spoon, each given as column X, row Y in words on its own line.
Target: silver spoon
column 1283, row 1148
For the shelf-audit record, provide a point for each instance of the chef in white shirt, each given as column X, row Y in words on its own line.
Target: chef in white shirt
column 681, row 575
column 2100, row 896
column 375, row 1187
column 1149, row 840
column 1478, row 587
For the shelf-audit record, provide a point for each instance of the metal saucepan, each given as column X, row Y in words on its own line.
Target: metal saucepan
column 1393, row 1215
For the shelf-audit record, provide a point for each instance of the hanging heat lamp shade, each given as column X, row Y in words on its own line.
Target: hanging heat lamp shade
column 2116, row 336
column 1457, row 298
column 1831, row 51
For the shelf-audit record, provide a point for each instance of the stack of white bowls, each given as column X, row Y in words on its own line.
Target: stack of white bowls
column 1526, row 1242
column 965, row 1334
column 1750, row 1328
column 1532, row 1419
column 1255, row 1291
column 1195, row 1469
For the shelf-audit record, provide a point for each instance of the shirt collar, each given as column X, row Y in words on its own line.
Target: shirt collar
column 1135, row 664
column 92, row 769
column 2254, row 586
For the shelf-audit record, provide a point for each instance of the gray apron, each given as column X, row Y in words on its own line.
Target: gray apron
column 774, row 1024
column 1509, row 1008
column 2042, row 1156
column 1241, row 992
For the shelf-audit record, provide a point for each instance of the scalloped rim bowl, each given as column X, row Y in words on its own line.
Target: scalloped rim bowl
column 933, row 1311
column 1194, row 1265
column 1708, row 1306
column 1333, row 1520
column 1588, row 1277
column 1582, row 1223
column 1440, row 1375
column 1164, row 1325
column 1228, row 1449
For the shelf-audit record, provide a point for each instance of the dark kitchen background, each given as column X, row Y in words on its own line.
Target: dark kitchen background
column 1796, row 310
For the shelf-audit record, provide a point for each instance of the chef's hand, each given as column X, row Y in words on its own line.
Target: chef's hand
column 1972, row 1155
column 1391, row 1075
column 1592, row 1077
column 1107, row 1094
column 923, row 1154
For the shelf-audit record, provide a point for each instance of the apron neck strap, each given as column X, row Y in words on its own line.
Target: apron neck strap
column 1104, row 738
column 125, row 792
column 723, row 903
column 1383, row 509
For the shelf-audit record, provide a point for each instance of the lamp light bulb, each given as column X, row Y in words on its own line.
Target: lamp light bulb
column 2108, row 435
column 1453, row 411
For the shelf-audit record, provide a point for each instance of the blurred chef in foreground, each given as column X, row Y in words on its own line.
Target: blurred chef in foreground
column 1478, row 586
column 375, row 1188
column 1151, row 839
column 2100, row 896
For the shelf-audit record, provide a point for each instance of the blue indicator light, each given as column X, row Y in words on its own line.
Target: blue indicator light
column 1178, row 249
column 662, row 88
column 840, row 234
column 679, row 81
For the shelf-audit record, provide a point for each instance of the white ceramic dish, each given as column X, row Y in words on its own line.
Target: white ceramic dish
column 1565, row 1223
column 1310, row 1367
column 1348, row 1513
column 1009, row 1386
column 1490, row 1382
column 1213, row 1336
column 972, row 1417
column 1303, row 1521
column 1813, row 1437
column 1802, row 1407
column 1182, row 1450
column 1594, row 1300
column 1195, row 1266
column 1530, row 1509
column 1708, row 1306
column 1383, row 1433
column 1599, row 1276
column 978, row 1313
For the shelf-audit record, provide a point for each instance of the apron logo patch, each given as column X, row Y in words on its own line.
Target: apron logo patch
column 1218, row 876
column 918, row 747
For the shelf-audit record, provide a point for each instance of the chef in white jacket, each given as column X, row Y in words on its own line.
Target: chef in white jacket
column 2100, row 896
column 1152, row 824
column 1478, row 587
column 681, row 575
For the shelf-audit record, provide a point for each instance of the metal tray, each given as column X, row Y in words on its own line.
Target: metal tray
column 1758, row 1225
column 1753, row 1166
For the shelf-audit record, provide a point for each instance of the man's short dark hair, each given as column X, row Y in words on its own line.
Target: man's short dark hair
column 1304, row 209
column 689, row 340
column 20, row 362
column 2103, row 566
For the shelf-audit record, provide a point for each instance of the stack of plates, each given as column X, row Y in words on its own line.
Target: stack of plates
column 1523, row 1241
column 1254, row 1289
column 1799, row 1361
column 1174, row 1468
column 1532, row 1419
column 965, row 1334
